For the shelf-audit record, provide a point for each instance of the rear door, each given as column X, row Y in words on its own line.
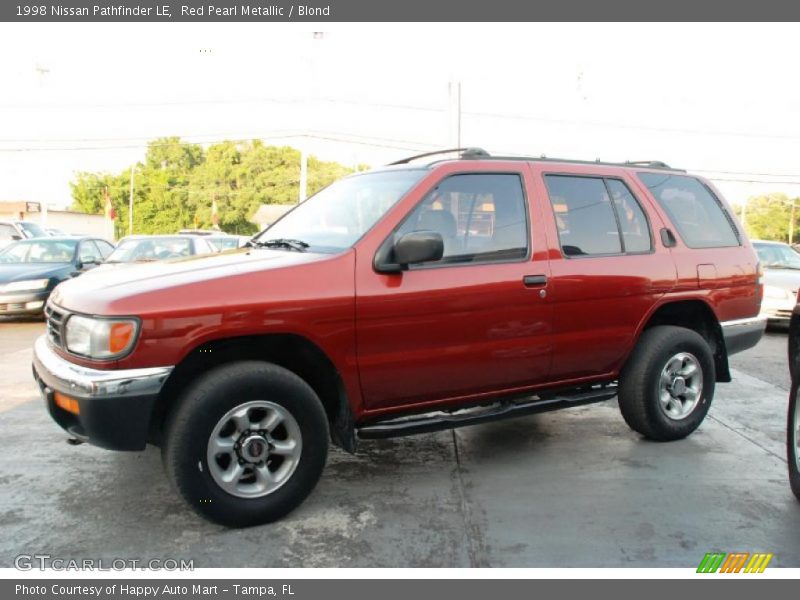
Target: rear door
column 476, row 322
column 608, row 270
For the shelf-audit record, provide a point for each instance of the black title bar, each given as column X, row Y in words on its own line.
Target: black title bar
column 399, row 11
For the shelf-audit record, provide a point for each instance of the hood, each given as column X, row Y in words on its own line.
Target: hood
column 23, row 271
column 106, row 286
column 788, row 279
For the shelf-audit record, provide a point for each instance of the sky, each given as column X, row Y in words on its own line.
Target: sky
column 720, row 100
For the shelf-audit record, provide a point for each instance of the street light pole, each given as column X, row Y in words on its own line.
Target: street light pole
column 130, row 203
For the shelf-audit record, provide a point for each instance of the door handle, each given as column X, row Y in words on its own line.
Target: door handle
column 534, row 280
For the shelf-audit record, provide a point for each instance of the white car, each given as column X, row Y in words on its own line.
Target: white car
column 13, row 231
column 781, row 265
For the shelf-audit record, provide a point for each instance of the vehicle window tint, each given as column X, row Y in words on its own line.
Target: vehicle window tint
column 699, row 217
column 584, row 215
column 90, row 252
column 202, row 247
column 632, row 222
column 481, row 217
column 32, row 230
column 105, row 248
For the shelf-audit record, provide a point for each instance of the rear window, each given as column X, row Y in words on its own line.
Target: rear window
column 698, row 215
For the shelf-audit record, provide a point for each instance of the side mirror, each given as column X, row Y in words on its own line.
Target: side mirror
column 16, row 237
column 414, row 247
column 87, row 264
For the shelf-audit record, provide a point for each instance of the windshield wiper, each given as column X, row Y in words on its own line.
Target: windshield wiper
column 298, row 245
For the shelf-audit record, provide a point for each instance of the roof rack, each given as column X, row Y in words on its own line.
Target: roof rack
column 466, row 153
column 480, row 153
column 648, row 163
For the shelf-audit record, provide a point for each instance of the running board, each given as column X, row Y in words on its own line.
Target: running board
column 440, row 420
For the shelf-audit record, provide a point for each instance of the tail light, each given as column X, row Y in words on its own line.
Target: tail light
column 759, row 283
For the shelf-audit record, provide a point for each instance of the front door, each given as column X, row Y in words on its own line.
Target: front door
column 475, row 322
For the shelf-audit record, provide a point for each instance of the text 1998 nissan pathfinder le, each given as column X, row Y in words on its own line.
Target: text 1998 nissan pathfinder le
column 405, row 300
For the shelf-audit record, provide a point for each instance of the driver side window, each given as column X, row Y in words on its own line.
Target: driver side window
column 481, row 217
column 89, row 252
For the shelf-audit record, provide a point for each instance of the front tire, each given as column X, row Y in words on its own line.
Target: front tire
column 246, row 444
column 666, row 387
column 792, row 441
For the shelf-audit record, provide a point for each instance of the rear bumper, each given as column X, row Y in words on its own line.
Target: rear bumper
column 777, row 311
column 114, row 406
column 742, row 334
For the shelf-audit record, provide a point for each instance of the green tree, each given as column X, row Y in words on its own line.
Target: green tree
column 176, row 184
column 768, row 217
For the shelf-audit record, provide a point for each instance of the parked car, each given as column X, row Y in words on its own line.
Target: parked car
column 793, row 420
column 228, row 242
column 781, row 265
column 219, row 239
column 30, row 269
column 404, row 300
column 201, row 232
column 148, row 248
column 12, row 231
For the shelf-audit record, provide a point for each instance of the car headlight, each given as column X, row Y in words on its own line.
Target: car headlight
column 100, row 338
column 27, row 285
column 771, row 291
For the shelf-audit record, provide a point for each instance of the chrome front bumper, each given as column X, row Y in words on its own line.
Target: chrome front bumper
column 115, row 407
column 83, row 382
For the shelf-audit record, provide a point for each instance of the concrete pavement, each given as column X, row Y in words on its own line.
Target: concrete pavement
column 570, row 488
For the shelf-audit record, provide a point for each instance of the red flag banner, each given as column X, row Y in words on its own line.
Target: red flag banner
column 109, row 208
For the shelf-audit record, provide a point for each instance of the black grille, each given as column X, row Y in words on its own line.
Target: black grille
column 55, row 324
column 12, row 306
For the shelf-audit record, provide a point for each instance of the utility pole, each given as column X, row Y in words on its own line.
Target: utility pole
column 312, row 109
column 303, row 175
column 744, row 215
column 454, row 112
column 130, row 202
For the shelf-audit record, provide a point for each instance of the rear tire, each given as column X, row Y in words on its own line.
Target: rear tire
column 792, row 439
column 246, row 444
column 666, row 387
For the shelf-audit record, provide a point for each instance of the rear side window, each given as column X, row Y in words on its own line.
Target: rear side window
column 7, row 232
column 698, row 215
column 584, row 215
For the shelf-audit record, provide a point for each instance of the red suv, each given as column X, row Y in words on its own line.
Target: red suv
column 403, row 300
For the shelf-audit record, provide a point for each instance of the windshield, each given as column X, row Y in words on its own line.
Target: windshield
column 335, row 218
column 32, row 230
column 55, row 251
column 225, row 243
column 777, row 256
column 147, row 249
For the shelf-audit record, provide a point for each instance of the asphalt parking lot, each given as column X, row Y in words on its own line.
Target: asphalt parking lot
column 574, row 488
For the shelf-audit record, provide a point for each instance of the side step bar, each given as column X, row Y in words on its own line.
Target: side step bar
column 505, row 409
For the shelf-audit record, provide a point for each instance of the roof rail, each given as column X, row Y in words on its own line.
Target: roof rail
column 466, row 153
column 480, row 153
column 648, row 163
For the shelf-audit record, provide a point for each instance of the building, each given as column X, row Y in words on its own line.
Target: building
column 267, row 214
column 67, row 221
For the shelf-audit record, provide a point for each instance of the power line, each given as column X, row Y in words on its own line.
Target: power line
column 395, row 144
column 419, row 108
